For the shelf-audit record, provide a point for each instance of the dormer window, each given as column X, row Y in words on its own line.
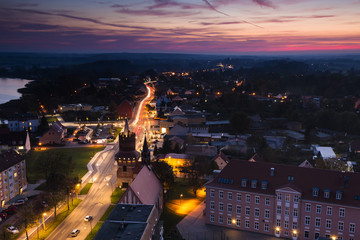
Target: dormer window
column 253, row 183
column 326, row 193
column 243, row 182
column 315, row 192
column 264, row 184
column 338, row 195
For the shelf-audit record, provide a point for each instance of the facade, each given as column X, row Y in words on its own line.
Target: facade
column 221, row 160
column 21, row 123
column 127, row 158
column 12, row 175
column 125, row 109
column 285, row 201
column 55, row 135
column 19, row 141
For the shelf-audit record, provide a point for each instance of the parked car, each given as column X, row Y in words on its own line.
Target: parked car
column 75, row 232
column 19, row 202
column 3, row 215
column 44, row 204
column 12, row 230
column 88, row 218
column 11, row 209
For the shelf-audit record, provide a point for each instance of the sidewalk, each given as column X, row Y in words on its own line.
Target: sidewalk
column 193, row 227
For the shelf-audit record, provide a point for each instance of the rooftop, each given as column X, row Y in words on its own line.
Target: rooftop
column 9, row 159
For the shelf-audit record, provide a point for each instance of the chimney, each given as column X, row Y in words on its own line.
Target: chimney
column 272, row 171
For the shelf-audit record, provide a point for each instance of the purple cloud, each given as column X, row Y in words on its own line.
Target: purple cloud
column 264, row 3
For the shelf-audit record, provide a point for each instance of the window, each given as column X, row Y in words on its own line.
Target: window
column 257, row 199
column 295, row 213
column 328, row 224
column 212, row 218
column 238, row 209
column 329, row 211
column 247, row 211
column 238, row 197
column 230, row 196
column 287, row 197
column 221, row 206
column 307, row 220
column 278, row 209
column 212, row 205
column 338, row 195
column 278, row 222
column 315, row 192
column 243, row 182
column 229, row 208
column 342, row 212
column 287, row 211
column 220, row 219
column 267, row 201
column 317, row 222
column 212, row 193
column 266, row 227
column 221, row 194
column 352, row 228
column 317, row 235
column 296, row 199
column 264, row 185
column 308, row 207
column 248, row 198
column 267, row 213
column 341, row 226
column 256, row 225
column 247, row 224
column 257, row 212
column 326, row 193
column 306, row 234
column 124, row 169
column 279, row 196
column 238, row 222
column 229, row 221
column 286, row 224
column 253, row 183
column 294, row 226
column 318, row 209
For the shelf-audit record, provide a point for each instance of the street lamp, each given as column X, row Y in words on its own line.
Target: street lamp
column 43, row 220
column 181, row 196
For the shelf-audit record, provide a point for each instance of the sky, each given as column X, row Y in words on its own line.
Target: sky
column 180, row 26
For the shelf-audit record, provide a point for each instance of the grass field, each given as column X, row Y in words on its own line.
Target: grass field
column 80, row 157
column 86, row 189
column 116, row 195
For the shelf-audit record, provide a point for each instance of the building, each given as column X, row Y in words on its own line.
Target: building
column 18, row 141
column 12, row 175
column 221, row 160
column 125, row 109
column 177, row 162
column 74, row 107
column 20, row 123
column 145, row 189
column 55, row 135
column 324, row 152
column 127, row 158
column 285, row 201
column 130, row 222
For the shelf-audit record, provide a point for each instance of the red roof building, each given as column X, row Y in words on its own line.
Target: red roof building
column 285, row 201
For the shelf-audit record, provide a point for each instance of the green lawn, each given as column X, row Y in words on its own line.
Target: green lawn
column 95, row 229
column 86, row 189
column 80, row 156
column 50, row 227
column 116, row 195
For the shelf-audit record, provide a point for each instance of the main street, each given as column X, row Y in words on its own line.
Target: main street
column 97, row 200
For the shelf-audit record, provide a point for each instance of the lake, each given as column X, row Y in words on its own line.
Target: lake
column 9, row 87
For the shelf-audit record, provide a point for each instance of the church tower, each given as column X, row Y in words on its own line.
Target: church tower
column 145, row 154
column 127, row 157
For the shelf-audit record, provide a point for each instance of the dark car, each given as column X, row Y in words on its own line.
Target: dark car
column 3, row 215
column 11, row 209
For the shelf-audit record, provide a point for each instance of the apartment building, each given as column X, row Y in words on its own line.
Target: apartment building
column 285, row 201
column 12, row 175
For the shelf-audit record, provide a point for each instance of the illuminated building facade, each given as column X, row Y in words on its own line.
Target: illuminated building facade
column 285, row 201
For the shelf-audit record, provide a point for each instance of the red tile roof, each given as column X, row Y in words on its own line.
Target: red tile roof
column 305, row 179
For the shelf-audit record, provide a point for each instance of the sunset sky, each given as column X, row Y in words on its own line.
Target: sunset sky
column 180, row 26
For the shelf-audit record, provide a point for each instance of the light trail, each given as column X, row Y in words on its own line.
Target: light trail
column 141, row 106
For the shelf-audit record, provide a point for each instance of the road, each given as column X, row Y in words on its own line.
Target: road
column 97, row 200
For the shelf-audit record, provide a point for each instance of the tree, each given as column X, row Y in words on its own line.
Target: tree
column 27, row 217
column 240, row 122
column 156, row 150
column 54, row 198
column 165, row 173
column 256, row 143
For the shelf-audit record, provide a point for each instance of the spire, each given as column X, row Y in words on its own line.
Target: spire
column 127, row 129
column 145, row 146
column 145, row 154
column 27, row 142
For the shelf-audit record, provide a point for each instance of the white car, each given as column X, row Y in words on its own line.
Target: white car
column 75, row 232
column 12, row 230
column 88, row 218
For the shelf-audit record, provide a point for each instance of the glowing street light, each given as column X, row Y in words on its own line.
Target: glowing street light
column 43, row 220
column 277, row 229
column 181, row 196
column 233, row 221
column 333, row 238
